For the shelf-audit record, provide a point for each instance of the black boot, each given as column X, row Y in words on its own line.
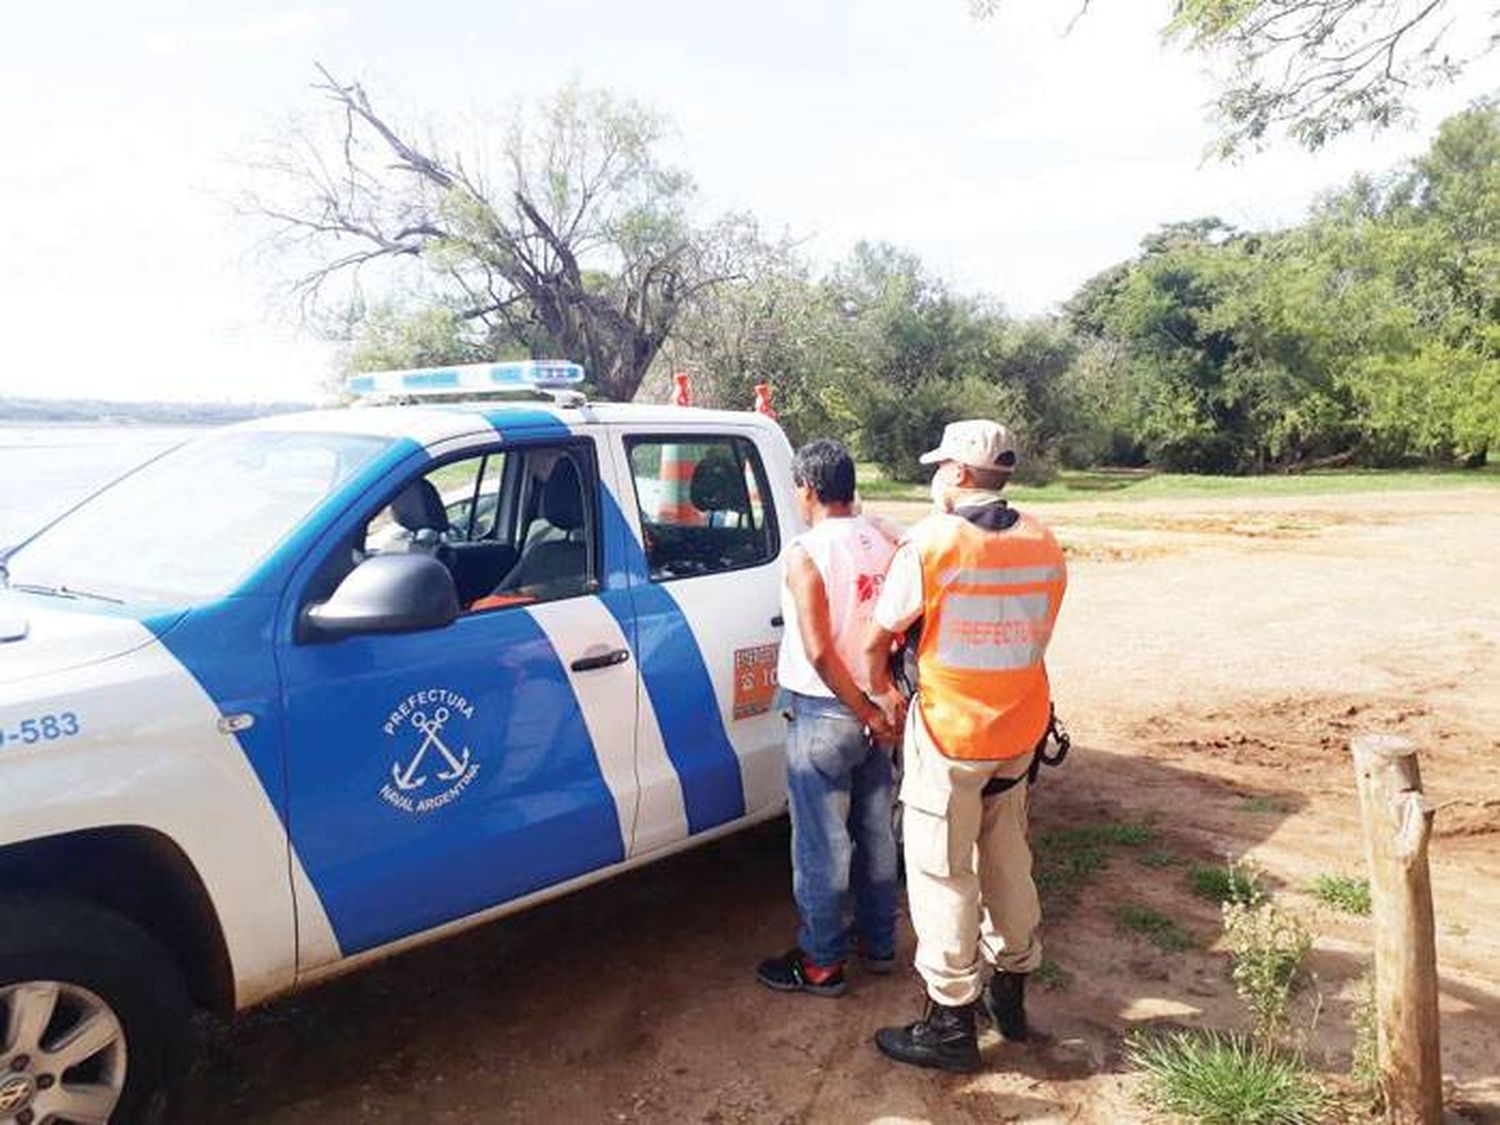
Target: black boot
column 944, row 1038
column 1005, row 1003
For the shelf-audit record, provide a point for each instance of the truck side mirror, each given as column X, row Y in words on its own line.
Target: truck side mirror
column 394, row 593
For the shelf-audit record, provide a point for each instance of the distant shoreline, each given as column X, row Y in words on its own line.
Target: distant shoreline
column 10, row 423
column 98, row 412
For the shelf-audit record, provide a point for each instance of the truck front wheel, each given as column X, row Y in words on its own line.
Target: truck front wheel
column 93, row 1016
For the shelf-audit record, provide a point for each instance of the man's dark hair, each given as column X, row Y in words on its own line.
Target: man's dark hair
column 826, row 467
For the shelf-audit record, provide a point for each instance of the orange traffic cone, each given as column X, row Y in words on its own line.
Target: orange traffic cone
column 675, row 503
column 763, row 400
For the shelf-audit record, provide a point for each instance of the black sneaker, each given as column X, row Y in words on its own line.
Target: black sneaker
column 943, row 1039
column 793, row 972
column 1004, row 1002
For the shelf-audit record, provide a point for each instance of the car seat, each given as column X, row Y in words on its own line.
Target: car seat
column 718, row 487
column 418, row 509
column 556, row 566
column 476, row 567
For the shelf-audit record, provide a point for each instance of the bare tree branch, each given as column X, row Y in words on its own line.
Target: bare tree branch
column 591, row 256
column 1320, row 68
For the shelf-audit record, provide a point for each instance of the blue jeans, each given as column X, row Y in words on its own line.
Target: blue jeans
column 840, row 785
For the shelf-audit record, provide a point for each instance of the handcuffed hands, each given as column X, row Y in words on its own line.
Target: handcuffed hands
column 888, row 716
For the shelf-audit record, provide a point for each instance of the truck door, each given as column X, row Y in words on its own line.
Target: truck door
column 703, row 530
column 435, row 774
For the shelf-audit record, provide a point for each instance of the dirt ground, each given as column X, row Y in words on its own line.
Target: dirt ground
column 1212, row 660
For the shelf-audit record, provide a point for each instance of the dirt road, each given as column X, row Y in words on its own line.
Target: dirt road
column 1213, row 659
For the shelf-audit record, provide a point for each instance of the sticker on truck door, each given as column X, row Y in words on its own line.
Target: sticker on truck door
column 754, row 680
column 434, row 765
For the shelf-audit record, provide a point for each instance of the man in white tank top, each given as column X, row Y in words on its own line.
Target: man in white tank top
column 839, row 779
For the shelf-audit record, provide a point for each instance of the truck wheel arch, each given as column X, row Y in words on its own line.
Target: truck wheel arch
column 143, row 875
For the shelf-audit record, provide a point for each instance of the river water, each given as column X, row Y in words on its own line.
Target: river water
column 45, row 469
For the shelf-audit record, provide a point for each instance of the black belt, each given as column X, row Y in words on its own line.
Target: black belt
column 1055, row 732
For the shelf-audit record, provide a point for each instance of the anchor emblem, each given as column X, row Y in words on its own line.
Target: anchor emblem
column 407, row 779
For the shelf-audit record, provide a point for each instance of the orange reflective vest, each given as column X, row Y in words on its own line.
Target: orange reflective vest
column 990, row 601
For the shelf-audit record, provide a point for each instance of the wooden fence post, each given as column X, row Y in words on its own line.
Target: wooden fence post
column 1397, row 825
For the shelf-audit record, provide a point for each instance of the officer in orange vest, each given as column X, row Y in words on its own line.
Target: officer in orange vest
column 986, row 582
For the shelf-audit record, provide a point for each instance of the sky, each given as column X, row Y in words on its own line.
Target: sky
column 1016, row 157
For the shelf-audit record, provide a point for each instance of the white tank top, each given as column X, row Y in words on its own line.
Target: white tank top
column 851, row 556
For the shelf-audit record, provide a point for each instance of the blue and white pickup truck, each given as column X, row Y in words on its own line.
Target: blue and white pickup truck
column 311, row 690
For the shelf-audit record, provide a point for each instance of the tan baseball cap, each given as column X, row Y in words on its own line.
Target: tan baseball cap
column 977, row 442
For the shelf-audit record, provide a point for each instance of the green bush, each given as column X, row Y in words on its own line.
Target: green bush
column 1342, row 892
column 1268, row 947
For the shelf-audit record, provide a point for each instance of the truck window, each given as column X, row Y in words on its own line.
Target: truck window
column 193, row 523
column 704, row 504
column 514, row 527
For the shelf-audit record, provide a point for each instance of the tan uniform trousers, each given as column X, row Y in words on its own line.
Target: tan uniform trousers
column 968, row 868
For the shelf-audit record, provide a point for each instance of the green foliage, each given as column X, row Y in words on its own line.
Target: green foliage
column 1221, row 1079
column 1236, row 882
column 1367, row 334
column 775, row 326
column 1364, row 1062
column 1318, row 70
column 1342, row 892
column 898, row 426
column 1060, row 872
column 388, row 338
column 1155, row 927
column 1068, row 858
column 1052, row 977
column 878, row 352
column 1268, row 947
column 572, row 237
column 1264, row 804
column 1100, row 835
column 1156, row 859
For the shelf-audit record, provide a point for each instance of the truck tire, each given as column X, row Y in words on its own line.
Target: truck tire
column 93, row 1016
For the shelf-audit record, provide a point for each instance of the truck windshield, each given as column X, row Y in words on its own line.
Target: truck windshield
column 194, row 522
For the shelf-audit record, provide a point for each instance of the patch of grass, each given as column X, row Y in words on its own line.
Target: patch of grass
column 1342, row 892
column 1229, row 882
column 1068, row 857
column 1061, row 871
column 1137, row 485
column 1143, row 484
column 1051, row 976
column 1221, row 1079
column 1264, row 805
column 873, row 484
column 1100, row 835
column 1155, row 927
column 1156, row 858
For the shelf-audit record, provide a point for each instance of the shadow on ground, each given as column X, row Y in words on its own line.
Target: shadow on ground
column 634, row 1000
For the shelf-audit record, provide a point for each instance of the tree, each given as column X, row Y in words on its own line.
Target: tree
column 1321, row 68
column 580, row 245
column 1367, row 332
column 1431, row 237
column 776, row 326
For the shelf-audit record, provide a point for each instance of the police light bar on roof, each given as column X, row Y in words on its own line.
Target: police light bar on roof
column 518, row 375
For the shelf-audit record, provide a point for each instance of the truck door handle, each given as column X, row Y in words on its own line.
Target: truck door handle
column 601, row 660
column 778, row 621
